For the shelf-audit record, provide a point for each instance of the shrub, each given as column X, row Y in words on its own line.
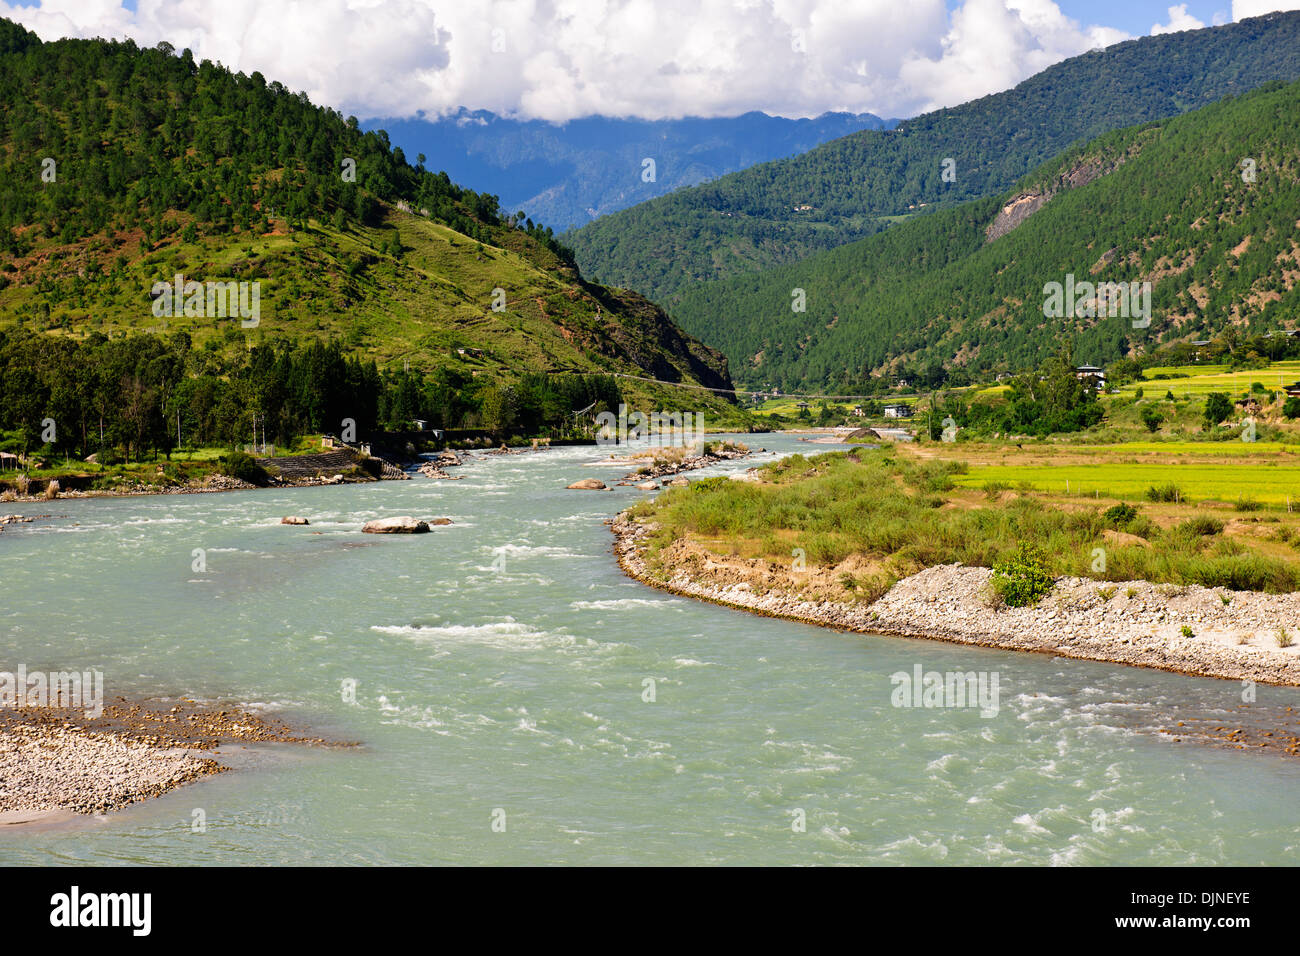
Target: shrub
column 1118, row 516
column 1024, row 579
column 243, row 466
column 710, row 484
column 1152, row 419
column 1187, row 631
column 1248, row 504
column 1291, row 409
column 1217, row 407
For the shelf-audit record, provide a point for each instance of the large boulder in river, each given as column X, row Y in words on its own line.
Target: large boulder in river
column 648, row 485
column 588, row 484
column 293, row 519
column 403, row 524
column 439, row 521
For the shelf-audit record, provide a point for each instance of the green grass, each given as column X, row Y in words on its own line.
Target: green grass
column 892, row 512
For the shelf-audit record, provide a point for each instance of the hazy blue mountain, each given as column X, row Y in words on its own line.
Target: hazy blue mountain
column 565, row 176
column 788, row 209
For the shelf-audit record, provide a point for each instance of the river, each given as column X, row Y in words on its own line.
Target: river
column 502, row 668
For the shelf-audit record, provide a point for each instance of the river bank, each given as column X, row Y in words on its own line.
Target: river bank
column 1134, row 622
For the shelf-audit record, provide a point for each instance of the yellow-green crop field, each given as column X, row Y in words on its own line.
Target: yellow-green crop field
column 1206, row 449
column 1203, row 379
column 1264, row 482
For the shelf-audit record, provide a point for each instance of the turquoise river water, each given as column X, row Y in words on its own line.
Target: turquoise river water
column 500, row 668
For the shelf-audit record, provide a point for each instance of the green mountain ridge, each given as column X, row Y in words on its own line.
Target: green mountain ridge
column 126, row 167
column 964, row 289
column 783, row 211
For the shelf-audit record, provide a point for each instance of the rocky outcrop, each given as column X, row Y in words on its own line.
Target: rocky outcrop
column 1026, row 204
column 676, row 464
column 293, row 519
column 402, row 524
column 436, row 467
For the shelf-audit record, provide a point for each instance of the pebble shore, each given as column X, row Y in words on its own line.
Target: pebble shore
column 1128, row 622
column 54, row 759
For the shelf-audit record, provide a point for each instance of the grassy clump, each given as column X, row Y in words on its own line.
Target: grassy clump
column 1167, row 492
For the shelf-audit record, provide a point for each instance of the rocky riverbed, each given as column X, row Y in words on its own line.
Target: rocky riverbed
column 1236, row 635
column 56, row 759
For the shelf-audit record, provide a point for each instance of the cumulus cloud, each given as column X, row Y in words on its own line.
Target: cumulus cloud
column 560, row 59
column 1179, row 19
column 1241, row 9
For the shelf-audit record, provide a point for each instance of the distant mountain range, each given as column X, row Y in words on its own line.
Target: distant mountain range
column 1205, row 207
column 564, row 176
column 783, row 211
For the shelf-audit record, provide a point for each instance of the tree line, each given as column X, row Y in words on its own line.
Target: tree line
column 136, row 397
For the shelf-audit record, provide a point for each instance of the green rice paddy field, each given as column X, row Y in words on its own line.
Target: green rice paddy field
column 1270, row 482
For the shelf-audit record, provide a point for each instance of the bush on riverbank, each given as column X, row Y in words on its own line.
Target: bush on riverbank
column 904, row 516
column 243, row 466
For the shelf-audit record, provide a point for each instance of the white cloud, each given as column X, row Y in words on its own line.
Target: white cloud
column 1179, row 19
column 559, row 59
column 1241, row 9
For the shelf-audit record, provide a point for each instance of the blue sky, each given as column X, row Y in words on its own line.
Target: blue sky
column 1136, row 16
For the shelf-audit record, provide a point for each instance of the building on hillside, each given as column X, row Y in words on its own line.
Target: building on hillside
column 899, row 410
column 1091, row 376
column 858, row 412
column 1293, row 390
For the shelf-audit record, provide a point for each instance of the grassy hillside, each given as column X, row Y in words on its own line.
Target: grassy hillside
column 783, row 211
column 125, row 167
column 964, row 287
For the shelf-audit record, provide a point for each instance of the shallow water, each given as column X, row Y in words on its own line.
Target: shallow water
column 500, row 666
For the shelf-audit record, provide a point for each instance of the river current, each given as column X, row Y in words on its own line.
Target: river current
column 520, row 701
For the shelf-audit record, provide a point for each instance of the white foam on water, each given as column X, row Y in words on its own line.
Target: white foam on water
column 622, row 604
column 506, row 634
column 527, row 550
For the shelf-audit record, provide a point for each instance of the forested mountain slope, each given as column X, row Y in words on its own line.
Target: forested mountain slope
column 126, row 167
column 1205, row 206
column 783, row 211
